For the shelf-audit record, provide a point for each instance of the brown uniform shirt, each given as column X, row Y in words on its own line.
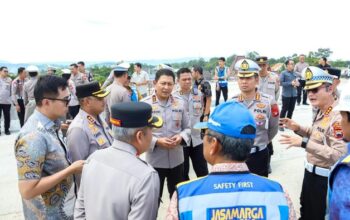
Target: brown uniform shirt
column 325, row 145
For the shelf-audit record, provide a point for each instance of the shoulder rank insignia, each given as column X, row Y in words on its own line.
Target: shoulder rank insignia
column 90, row 119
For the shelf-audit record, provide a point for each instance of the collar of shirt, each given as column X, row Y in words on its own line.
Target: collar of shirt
column 124, row 147
column 161, row 103
column 46, row 122
column 230, row 167
column 90, row 118
column 199, row 81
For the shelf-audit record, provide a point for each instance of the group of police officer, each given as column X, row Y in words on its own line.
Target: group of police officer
column 238, row 132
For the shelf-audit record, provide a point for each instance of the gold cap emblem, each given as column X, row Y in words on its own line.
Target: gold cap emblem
column 308, row 74
column 244, row 65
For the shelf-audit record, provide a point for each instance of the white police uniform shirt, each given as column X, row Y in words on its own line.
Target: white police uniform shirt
column 176, row 121
column 270, row 85
column 85, row 135
column 266, row 114
column 194, row 108
column 117, row 184
column 5, row 90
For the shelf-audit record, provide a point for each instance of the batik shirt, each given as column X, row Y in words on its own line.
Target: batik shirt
column 40, row 152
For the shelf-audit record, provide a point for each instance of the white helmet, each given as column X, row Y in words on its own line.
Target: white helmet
column 32, row 68
column 344, row 100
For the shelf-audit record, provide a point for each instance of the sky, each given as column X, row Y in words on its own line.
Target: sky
column 104, row 30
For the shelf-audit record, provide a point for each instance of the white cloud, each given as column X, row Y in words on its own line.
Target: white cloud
column 42, row 30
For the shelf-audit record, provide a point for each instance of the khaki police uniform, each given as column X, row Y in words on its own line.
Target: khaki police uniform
column 29, row 100
column 169, row 162
column 270, row 85
column 194, row 107
column 324, row 145
column 17, row 94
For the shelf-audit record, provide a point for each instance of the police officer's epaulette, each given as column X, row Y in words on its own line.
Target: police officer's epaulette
column 154, row 99
column 90, row 119
column 330, row 108
column 257, row 96
column 235, row 97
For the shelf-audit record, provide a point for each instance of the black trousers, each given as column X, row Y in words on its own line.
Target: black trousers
column 258, row 163
column 5, row 108
column 288, row 105
column 198, row 162
column 22, row 111
column 224, row 91
column 73, row 110
column 173, row 175
column 301, row 91
column 313, row 197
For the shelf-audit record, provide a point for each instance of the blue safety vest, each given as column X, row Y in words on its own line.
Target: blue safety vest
column 232, row 196
column 221, row 75
column 345, row 161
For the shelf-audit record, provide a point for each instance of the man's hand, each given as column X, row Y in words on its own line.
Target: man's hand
column 289, row 123
column 291, row 140
column 76, row 167
column 176, row 139
column 205, row 119
column 165, row 142
column 18, row 108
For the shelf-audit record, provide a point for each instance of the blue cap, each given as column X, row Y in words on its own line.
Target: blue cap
column 231, row 119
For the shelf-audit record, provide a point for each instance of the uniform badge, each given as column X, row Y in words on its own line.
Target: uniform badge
column 260, row 117
column 101, row 141
column 274, row 110
column 337, row 130
column 308, row 74
column 154, row 99
column 325, row 122
column 260, row 105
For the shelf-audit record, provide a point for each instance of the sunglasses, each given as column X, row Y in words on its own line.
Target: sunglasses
column 315, row 90
column 65, row 100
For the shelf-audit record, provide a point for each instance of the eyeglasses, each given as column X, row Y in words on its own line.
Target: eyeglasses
column 315, row 90
column 66, row 99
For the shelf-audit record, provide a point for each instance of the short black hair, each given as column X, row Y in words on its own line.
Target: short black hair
column 164, row 72
column 287, row 61
column 138, row 65
column 3, row 67
column 181, row 71
column 222, row 59
column 48, row 86
column 81, row 63
column 20, row 70
column 324, row 59
column 74, row 65
column 198, row 69
column 119, row 74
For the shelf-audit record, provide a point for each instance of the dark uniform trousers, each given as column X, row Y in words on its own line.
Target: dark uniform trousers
column 301, row 91
column 73, row 110
column 198, row 162
column 22, row 111
column 174, row 176
column 313, row 197
column 258, row 162
column 218, row 91
column 288, row 105
column 5, row 108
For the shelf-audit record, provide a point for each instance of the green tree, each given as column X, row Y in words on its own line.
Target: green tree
column 323, row 52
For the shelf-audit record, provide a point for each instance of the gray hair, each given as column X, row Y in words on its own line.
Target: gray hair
column 125, row 134
column 236, row 149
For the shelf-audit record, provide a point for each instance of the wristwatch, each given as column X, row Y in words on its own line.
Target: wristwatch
column 206, row 115
column 304, row 142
